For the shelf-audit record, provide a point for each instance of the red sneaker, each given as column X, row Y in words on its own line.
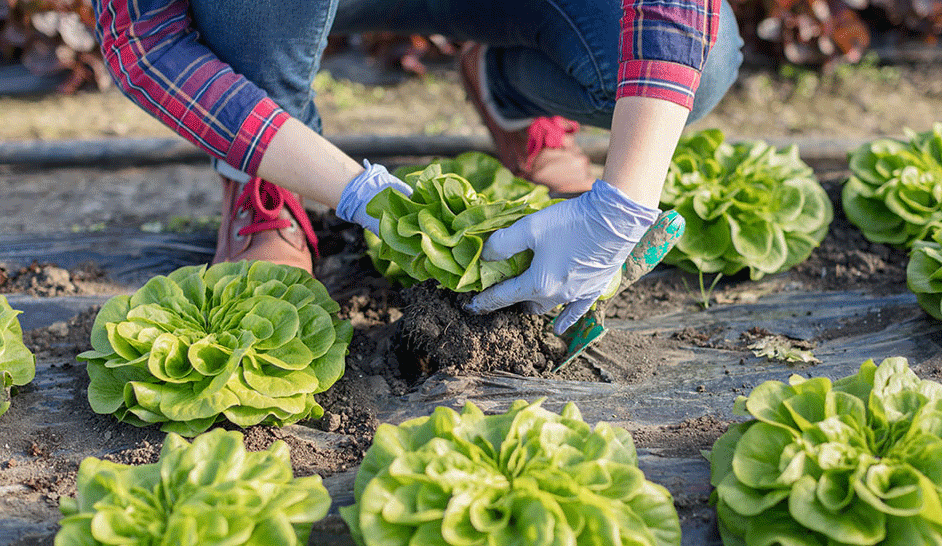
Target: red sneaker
column 262, row 221
column 541, row 150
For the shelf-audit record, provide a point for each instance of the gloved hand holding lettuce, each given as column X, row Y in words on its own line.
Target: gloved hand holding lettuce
column 578, row 246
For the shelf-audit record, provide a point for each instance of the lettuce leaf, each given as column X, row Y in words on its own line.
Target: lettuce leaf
column 439, row 231
column 924, row 274
column 894, row 193
column 746, row 205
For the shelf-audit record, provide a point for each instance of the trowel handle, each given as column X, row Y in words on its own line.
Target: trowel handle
column 650, row 250
column 656, row 242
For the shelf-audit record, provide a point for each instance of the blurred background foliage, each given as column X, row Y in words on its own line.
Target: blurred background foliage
column 56, row 37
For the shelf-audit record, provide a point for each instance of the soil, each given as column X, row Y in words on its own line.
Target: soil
column 670, row 351
column 48, row 279
column 436, row 334
column 685, row 439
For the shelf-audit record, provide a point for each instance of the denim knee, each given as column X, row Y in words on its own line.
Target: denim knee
column 276, row 45
column 721, row 68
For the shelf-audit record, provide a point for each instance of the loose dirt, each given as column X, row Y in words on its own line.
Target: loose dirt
column 47, row 279
column 436, row 334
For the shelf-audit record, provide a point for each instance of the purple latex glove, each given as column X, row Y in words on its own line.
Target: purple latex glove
column 578, row 246
column 360, row 190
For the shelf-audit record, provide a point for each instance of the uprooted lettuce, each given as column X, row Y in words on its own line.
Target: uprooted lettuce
column 439, row 231
column 853, row 462
column 894, row 194
column 17, row 363
column 209, row 492
column 488, row 178
column 527, row 476
column 250, row 342
column 924, row 274
column 746, row 205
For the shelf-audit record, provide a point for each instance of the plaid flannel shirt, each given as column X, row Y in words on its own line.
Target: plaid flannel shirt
column 154, row 55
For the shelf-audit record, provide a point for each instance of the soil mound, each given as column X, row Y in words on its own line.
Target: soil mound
column 436, row 334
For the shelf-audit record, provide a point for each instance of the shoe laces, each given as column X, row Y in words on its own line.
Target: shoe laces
column 547, row 132
column 266, row 200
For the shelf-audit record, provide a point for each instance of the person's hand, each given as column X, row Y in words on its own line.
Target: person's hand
column 359, row 191
column 578, row 246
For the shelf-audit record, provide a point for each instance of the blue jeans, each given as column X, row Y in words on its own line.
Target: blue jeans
column 547, row 57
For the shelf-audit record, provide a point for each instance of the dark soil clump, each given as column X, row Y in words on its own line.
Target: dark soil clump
column 436, row 334
column 48, row 279
column 63, row 339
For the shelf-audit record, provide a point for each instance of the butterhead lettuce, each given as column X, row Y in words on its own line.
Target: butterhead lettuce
column 856, row 461
column 438, row 232
column 894, row 193
column 17, row 363
column 487, row 177
column 250, row 342
column 209, row 492
column 527, row 476
column 746, row 205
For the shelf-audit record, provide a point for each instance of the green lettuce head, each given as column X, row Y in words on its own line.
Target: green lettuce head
column 210, row 492
column 439, row 231
column 746, row 205
column 487, row 177
column 528, row 476
column 854, row 462
column 924, row 274
column 894, row 194
column 17, row 363
column 251, row 342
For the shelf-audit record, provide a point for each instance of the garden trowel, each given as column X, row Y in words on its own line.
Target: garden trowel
column 650, row 250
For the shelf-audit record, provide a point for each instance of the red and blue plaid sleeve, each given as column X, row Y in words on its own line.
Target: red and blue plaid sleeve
column 664, row 45
column 154, row 56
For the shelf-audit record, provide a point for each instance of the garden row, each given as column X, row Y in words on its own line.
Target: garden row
column 819, row 462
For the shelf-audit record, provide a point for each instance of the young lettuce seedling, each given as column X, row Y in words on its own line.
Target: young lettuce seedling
column 438, row 232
